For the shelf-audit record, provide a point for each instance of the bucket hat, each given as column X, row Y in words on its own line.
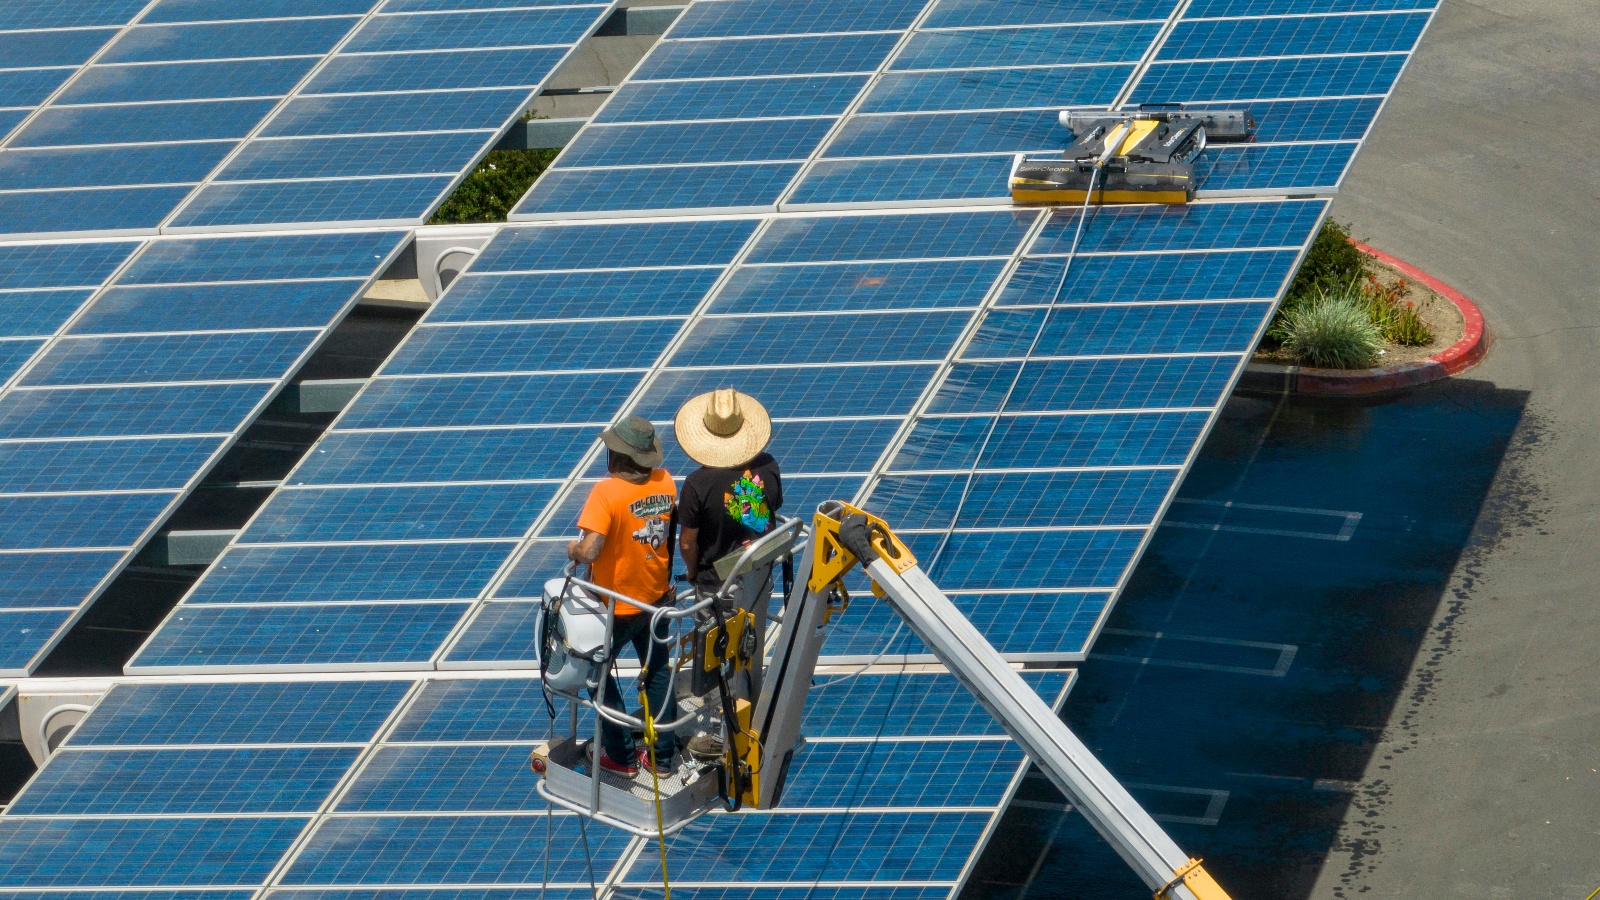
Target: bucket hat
column 723, row 428
column 635, row 438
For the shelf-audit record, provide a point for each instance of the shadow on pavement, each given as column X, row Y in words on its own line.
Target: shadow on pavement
column 1260, row 653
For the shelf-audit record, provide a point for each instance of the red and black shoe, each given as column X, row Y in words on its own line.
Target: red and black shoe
column 625, row 769
column 664, row 767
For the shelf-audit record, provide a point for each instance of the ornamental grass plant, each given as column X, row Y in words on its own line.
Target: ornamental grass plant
column 1333, row 331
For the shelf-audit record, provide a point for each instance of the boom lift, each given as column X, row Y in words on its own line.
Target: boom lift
column 1143, row 156
column 761, row 740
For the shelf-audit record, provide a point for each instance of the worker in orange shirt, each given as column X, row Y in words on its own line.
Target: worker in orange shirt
column 626, row 529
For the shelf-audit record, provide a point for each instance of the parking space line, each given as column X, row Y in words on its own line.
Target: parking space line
column 1347, row 524
column 1215, row 801
column 1285, row 659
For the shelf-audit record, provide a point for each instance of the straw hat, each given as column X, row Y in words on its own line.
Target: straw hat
column 723, row 428
column 635, row 438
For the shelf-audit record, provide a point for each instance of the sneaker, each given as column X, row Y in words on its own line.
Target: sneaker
column 706, row 746
column 664, row 767
column 626, row 769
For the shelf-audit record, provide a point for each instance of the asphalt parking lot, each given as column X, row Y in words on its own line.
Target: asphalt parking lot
column 1436, row 731
column 1255, row 681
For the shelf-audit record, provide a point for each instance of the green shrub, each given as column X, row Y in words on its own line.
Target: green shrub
column 494, row 187
column 1333, row 331
column 1331, row 263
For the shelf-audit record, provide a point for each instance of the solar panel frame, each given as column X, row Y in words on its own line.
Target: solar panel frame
column 189, row 782
column 887, row 721
column 795, row 245
column 113, row 20
column 139, row 766
column 174, row 721
column 817, row 87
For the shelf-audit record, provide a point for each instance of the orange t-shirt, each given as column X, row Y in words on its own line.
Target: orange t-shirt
column 634, row 519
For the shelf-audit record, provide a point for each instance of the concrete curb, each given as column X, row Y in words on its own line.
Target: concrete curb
column 1453, row 360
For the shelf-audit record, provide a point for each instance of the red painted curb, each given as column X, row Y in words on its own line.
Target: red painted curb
column 1453, row 360
column 1475, row 339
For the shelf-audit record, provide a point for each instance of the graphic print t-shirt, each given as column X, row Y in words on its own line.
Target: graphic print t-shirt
column 731, row 507
column 635, row 519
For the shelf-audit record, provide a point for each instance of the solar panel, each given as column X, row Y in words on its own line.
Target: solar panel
column 451, row 850
column 230, row 768
column 254, row 713
column 450, row 778
column 69, row 853
column 143, row 367
column 44, row 43
column 787, row 847
column 807, row 892
column 434, row 456
column 1047, row 626
column 967, row 80
column 185, row 782
column 211, row 117
column 433, row 463
column 950, row 774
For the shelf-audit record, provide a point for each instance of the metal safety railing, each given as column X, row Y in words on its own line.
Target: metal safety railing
column 670, row 631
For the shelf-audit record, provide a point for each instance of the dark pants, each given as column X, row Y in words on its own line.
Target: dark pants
column 655, row 677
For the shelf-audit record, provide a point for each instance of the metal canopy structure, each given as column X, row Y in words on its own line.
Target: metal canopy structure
column 804, row 199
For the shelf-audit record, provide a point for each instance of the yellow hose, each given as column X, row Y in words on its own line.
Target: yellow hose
column 655, row 781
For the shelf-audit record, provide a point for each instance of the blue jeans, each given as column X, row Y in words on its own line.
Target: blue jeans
column 656, row 675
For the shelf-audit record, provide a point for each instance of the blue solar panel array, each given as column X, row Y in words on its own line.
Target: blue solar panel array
column 1023, row 423
column 323, row 786
column 393, row 528
column 43, row 44
column 418, row 532
column 129, row 368
column 191, row 116
column 821, row 107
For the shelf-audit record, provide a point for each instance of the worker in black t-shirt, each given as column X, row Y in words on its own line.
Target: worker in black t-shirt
column 731, row 500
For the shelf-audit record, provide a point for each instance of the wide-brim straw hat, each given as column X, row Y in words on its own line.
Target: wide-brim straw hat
column 635, row 438
column 723, row 428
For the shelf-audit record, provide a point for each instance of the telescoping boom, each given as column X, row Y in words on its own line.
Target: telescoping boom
column 762, row 740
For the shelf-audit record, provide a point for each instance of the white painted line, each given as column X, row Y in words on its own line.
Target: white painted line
column 1286, row 653
column 1347, row 527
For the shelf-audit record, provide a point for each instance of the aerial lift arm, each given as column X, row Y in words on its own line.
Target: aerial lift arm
column 762, row 740
column 843, row 536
